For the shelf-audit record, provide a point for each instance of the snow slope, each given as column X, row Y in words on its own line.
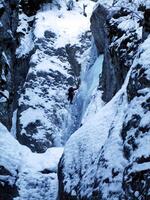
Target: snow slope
column 26, row 168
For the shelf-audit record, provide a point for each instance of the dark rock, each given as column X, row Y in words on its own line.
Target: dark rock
column 143, row 160
column 8, row 41
column 4, row 171
column 2, row 9
column 31, row 7
column 71, row 54
column 98, row 20
column 117, row 58
column 62, row 194
column 49, row 34
column 132, row 123
column 135, row 134
column 142, row 7
column 146, row 25
column 136, row 184
column 20, row 71
column 121, row 13
column 46, row 171
column 139, row 82
column 7, row 191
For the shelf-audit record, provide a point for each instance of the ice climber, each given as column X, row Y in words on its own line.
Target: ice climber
column 71, row 93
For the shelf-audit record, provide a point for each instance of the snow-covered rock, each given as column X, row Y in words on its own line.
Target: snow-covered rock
column 136, row 128
column 8, row 42
column 59, row 42
column 108, row 157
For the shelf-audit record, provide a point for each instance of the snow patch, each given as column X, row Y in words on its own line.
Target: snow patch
column 68, row 25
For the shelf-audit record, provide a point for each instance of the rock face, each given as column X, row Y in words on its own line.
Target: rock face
column 11, row 66
column 146, row 25
column 8, row 175
column 122, row 50
column 108, row 158
column 51, row 69
column 118, row 47
column 99, row 32
column 136, row 130
column 36, row 98
column 8, row 26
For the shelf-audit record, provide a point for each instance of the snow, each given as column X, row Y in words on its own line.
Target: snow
column 64, row 23
column 47, row 63
column 94, row 106
column 128, row 24
column 26, row 43
column 145, row 120
column 15, row 156
column 48, row 160
column 1, row 5
column 23, row 23
column 145, row 52
column 6, row 93
column 36, row 115
column 23, row 155
column 106, row 2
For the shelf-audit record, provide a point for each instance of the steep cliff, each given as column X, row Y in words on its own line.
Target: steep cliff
column 8, row 43
column 54, row 66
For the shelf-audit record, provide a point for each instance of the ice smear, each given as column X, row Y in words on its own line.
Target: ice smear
column 14, row 121
column 87, row 93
